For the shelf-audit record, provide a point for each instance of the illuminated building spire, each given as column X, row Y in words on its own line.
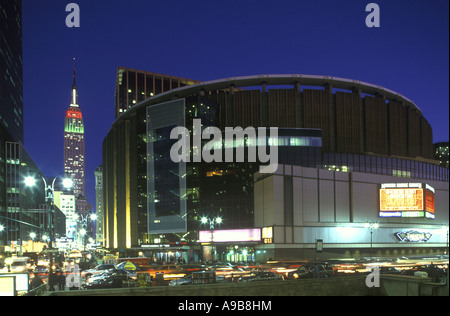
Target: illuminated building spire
column 74, row 142
column 74, row 88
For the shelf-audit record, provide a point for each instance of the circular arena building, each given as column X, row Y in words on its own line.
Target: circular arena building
column 332, row 128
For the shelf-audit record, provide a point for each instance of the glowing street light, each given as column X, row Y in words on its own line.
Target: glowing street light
column 372, row 227
column 211, row 221
column 444, row 230
column 49, row 199
column 30, row 181
column 67, row 183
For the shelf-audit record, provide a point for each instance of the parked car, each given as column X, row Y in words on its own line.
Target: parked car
column 311, row 271
column 97, row 270
column 260, row 276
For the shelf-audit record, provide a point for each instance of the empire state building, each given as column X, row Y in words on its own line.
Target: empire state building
column 74, row 144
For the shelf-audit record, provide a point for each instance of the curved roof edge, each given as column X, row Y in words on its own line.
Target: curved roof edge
column 275, row 79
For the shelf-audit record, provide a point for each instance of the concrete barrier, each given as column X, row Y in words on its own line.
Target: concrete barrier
column 401, row 285
column 338, row 286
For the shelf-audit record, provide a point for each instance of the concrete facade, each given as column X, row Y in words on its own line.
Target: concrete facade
column 304, row 205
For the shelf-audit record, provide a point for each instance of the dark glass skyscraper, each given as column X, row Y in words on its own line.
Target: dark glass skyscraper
column 16, row 200
column 134, row 86
column 11, row 83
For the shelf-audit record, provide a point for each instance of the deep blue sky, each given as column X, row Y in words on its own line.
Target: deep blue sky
column 211, row 39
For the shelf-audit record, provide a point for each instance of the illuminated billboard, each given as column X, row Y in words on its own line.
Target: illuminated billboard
column 231, row 235
column 406, row 200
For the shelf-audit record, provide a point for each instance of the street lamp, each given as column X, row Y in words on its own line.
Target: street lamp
column 211, row 221
column 83, row 236
column 2, row 228
column 372, row 227
column 444, row 230
column 49, row 199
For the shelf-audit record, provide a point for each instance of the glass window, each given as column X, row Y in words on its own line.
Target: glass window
column 158, row 85
column 379, row 169
column 149, row 85
column 373, row 164
column 166, row 85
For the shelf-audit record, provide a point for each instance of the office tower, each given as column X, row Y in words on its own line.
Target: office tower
column 441, row 153
column 99, row 203
column 66, row 203
column 11, row 100
column 134, row 86
column 74, row 143
column 11, row 83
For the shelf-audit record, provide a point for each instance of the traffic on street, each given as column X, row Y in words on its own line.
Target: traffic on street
column 79, row 270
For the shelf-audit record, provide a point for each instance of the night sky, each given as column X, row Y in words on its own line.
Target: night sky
column 207, row 40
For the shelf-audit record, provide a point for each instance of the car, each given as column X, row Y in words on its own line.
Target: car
column 41, row 269
column 168, row 270
column 108, row 279
column 97, row 270
column 260, row 276
column 311, row 271
column 186, row 280
column 390, row 270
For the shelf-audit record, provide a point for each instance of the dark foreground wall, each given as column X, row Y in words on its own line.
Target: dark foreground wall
column 345, row 286
column 339, row 286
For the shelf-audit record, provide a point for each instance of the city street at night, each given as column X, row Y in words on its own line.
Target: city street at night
column 226, row 156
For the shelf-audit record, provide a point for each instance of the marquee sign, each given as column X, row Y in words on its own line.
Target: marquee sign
column 406, row 200
column 413, row 236
column 230, row 235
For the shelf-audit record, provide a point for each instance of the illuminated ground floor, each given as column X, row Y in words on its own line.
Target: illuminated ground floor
column 308, row 213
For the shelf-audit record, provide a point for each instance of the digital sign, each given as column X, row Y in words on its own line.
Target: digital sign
column 401, row 199
column 406, row 200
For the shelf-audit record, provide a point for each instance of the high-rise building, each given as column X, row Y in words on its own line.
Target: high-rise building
column 11, row 82
column 74, row 143
column 99, row 203
column 11, row 90
column 66, row 203
column 134, row 86
column 18, row 204
column 441, row 153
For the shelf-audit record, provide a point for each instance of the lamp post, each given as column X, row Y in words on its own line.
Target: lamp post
column 372, row 227
column 86, row 225
column 83, row 238
column 212, row 222
column 444, row 229
column 49, row 200
column 2, row 228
